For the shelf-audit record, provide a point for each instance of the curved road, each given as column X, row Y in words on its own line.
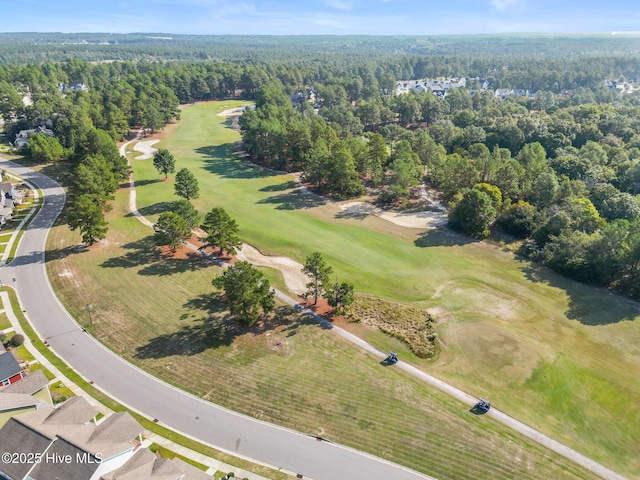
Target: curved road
column 222, row 428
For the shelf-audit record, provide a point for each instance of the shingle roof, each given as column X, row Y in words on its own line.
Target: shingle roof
column 80, row 466
column 137, row 467
column 8, row 366
column 28, row 385
column 75, row 411
column 15, row 437
column 116, row 428
column 145, row 465
column 11, row 401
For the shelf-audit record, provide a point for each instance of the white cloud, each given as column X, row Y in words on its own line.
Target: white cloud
column 339, row 4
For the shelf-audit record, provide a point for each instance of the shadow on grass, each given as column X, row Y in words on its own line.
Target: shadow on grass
column 142, row 183
column 210, row 331
column 442, row 237
column 587, row 304
column 61, row 253
column 211, row 327
column 294, row 200
column 155, row 209
column 144, row 253
column 288, row 185
column 225, row 161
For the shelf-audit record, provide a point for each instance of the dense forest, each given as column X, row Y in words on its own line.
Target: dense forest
column 555, row 168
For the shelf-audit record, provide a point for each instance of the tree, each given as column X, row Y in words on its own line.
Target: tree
column 246, row 291
column 318, row 270
column 186, row 185
column 377, row 157
column 164, row 162
column 86, row 215
column 221, row 231
column 187, row 211
column 170, row 230
column 519, row 219
column 44, row 149
column 340, row 296
column 473, row 214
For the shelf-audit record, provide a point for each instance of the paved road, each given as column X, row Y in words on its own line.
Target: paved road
column 224, row 429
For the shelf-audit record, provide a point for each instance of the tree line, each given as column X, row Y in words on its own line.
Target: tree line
column 557, row 169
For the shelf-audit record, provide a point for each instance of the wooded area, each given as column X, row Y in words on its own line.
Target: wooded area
column 557, row 166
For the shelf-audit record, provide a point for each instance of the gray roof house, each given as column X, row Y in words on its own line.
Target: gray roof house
column 23, row 135
column 10, row 370
column 68, row 432
column 30, row 393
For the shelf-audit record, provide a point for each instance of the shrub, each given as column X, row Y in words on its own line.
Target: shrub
column 412, row 325
column 17, row 340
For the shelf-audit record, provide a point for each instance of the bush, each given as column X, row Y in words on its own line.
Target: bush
column 3, row 337
column 17, row 340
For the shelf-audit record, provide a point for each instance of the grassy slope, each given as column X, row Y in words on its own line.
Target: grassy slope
column 554, row 353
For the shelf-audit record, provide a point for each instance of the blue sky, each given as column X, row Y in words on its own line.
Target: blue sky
column 341, row 17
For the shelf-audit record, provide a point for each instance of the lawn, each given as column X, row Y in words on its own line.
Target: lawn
column 560, row 356
column 158, row 312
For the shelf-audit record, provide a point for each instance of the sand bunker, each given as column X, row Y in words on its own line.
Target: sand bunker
column 232, row 112
column 423, row 219
column 146, row 148
column 291, row 270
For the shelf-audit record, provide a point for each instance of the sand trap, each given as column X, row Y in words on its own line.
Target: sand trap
column 424, row 219
column 291, row 270
column 232, row 112
column 146, row 148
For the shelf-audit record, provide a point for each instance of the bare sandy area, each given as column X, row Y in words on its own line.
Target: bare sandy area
column 291, row 270
column 423, row 219
column 146, row 148
column 232, row 112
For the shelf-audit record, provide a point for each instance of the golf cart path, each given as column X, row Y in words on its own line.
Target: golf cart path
column 464, row 397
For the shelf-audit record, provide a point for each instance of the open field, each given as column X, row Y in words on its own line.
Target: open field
column 558, row 355
column 291, row 372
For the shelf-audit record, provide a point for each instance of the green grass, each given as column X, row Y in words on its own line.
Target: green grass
column 60, row 390
column 24, row 354
column 509, row 330
column 4, row 321
column 117, row 407
column 166, row 453
column 500, row 318
column 292, row 373
column 38, row 366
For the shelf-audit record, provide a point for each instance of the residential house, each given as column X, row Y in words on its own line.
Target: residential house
column 145, row 465
column 35, row 384
column 23, row 135
column 30, row 393
column 78, row 87
column 68, row 431
column 503, row 93
column 10, row 370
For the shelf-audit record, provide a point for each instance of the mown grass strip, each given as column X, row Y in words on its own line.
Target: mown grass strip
column 117, row 407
